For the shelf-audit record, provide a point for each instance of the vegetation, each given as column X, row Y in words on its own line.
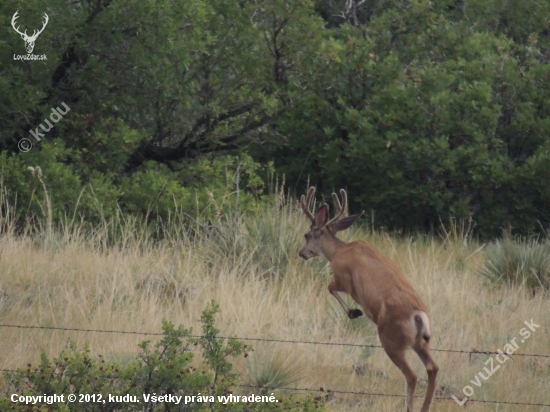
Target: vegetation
column 185, row 132
column 420, row 109
column 272, row 369
column 119, row 276
column 99, row 385
column 519, row 262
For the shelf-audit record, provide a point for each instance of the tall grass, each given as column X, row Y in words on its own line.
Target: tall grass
column 120, row 276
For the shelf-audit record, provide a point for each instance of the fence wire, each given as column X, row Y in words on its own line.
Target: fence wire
column 310, row 390
column 470, row 352
column 441, row 398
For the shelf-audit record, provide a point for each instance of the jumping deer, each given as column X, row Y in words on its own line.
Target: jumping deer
column 377, row 284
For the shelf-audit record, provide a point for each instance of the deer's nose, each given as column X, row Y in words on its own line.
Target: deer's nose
column 303, row 255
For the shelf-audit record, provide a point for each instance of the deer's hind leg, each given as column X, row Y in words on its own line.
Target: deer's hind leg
column 395, row 342
column 424, row 353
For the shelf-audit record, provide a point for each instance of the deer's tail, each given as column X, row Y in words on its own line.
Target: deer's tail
column 421, row 323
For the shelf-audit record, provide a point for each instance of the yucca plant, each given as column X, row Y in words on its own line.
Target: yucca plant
column 518, row 262
column 270, row 369
column 272, row 239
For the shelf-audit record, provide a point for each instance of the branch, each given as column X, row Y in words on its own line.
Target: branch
column 190, row 149
column 205, row 120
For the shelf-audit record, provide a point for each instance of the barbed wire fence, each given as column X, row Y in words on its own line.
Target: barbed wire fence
column 470, row 352
column 309, row 390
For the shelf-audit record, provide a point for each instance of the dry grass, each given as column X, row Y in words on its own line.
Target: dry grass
column 251, row 268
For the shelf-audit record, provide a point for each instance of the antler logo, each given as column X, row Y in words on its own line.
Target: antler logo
column 29, row 40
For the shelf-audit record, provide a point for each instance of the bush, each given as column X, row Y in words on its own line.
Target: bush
column 212, row 188
column 423, row 117
column 518, row 262
column 166, row 369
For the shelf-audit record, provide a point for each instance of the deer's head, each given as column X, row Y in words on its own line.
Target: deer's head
column 29, row 40
column 321, row 239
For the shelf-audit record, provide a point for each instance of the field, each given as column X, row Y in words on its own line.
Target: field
column 76, row 278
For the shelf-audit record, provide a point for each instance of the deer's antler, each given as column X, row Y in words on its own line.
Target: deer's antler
column 339, row 208
column 304, row 202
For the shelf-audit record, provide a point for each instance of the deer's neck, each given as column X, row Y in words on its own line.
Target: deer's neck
column 331, row 246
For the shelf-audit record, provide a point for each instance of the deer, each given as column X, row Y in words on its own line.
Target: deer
column 378, row 285
column 29, row 40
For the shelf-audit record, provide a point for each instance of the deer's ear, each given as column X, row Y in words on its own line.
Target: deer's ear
column 344, row 223
column 321, row 217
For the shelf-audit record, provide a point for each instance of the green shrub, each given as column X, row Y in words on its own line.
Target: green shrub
column 518, row 262
column 42, row 189
column 165, row 368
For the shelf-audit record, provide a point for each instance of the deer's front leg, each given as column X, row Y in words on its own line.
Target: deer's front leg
column 333, row 289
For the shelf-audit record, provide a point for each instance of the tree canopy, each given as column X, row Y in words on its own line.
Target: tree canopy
column 422, row 109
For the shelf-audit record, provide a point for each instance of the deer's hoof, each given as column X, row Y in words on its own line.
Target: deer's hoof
column 354, row 313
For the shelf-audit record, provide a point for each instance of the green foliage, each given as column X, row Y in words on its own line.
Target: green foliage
column 215, row 351
column 212, row 188
column 518, row 262
column 163, row 97
column 165, row 368
column 425, row 116
column 421, row 109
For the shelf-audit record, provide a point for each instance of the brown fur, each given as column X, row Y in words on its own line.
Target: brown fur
column 377, row 284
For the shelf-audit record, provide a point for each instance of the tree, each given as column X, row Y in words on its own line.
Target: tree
column 156, row 91
column 422, row 117
column 195, row 77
